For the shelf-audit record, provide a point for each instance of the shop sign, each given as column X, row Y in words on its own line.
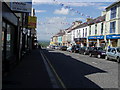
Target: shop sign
column 32, row 22
column 21, row 6
column 96, row 37
column 113, row 36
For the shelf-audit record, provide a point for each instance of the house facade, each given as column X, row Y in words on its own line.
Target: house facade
column 113, row 24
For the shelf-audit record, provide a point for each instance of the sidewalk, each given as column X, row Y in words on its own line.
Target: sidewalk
column 30, row 73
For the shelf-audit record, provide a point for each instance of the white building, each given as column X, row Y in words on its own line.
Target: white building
column 96, row 32
column 113, row 24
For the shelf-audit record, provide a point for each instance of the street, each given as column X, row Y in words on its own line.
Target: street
column 81, row 71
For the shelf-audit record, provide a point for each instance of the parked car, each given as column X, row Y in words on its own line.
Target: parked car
column 98, row 52
column 113, row 53
column 57, row 47
column 63, row 48
column 84, row 50
column 75, row 48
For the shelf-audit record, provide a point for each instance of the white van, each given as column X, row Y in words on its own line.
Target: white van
column 113, row 53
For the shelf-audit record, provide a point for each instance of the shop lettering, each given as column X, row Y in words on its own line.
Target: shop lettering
column 19, row 3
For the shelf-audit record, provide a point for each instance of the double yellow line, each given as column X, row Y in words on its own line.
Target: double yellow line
column 52, row 68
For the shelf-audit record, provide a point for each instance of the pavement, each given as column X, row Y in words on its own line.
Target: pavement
column 30, row 73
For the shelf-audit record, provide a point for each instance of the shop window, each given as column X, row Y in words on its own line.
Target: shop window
column 113, row 12
column 114, row 43
column 112, row 27
column 3, row 38
column 9, row 41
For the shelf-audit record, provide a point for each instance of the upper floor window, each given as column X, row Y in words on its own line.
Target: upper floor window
column 112, row 27
column 95, row 28
column 86, row 32
column 113, row 12
column 83, row 32
column 90, row 30
column 101, row 28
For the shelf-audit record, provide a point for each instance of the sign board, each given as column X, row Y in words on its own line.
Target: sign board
column 32, row 22
column 116, row 36
column 21, row 6
column 96, row 37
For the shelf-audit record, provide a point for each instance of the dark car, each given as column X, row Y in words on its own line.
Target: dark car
column 75, row 48
column 85, row 50
column 98, row 52
column 63, row 48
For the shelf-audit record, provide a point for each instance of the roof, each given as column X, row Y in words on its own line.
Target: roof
column 115, row 3
column 60, row 33
column 97, row 20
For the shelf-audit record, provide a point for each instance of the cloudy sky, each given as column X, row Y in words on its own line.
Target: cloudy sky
column 53, row 15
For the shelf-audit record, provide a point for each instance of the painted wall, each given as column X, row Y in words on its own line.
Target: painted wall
column 59, row 39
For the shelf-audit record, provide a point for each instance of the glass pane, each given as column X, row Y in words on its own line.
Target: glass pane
column 8, row 41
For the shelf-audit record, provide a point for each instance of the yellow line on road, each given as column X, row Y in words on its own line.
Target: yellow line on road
column 61, row 82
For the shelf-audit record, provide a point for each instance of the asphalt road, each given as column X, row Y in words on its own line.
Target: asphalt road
column 81, row 71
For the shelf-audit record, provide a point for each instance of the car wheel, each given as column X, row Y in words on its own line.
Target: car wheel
column 98, row 56
column 118, row 59
column 90, row 55
column 106, row 57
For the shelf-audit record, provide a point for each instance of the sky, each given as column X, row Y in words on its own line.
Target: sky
column 53, row 15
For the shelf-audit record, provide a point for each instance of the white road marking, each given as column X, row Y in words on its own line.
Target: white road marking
column 94, row 62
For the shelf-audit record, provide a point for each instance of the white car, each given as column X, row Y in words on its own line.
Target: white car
column 113, row 53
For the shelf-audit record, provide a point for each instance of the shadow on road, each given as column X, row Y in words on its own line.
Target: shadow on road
column 71, row 71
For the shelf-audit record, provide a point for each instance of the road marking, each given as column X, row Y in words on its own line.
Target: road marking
column 94, row 62
column 51, row 76
column 53, row 80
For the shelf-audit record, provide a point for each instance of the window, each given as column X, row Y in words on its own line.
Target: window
column 96, row 29
column 112, row 27
column 101, row 28
column 86, row 32
column 113, row 12
column 10, row 41
column 83, row 32
column 90, row 30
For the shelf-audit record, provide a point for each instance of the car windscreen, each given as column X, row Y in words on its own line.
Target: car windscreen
column 118, row 49
column 100, row 48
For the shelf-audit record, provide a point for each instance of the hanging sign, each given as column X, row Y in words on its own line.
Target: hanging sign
column 32, row 22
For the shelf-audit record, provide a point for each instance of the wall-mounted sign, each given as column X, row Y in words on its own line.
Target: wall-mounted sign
column 21, row 6
column 96, row 37
column 116, row 36
column 32, row 22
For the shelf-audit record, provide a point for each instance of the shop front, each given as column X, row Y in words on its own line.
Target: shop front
column 113, row 40
column 9, row 38
column 81, row 41
column 96, row 41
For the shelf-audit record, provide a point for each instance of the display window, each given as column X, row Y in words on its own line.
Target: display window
column 114, row 43
column 3, row 38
